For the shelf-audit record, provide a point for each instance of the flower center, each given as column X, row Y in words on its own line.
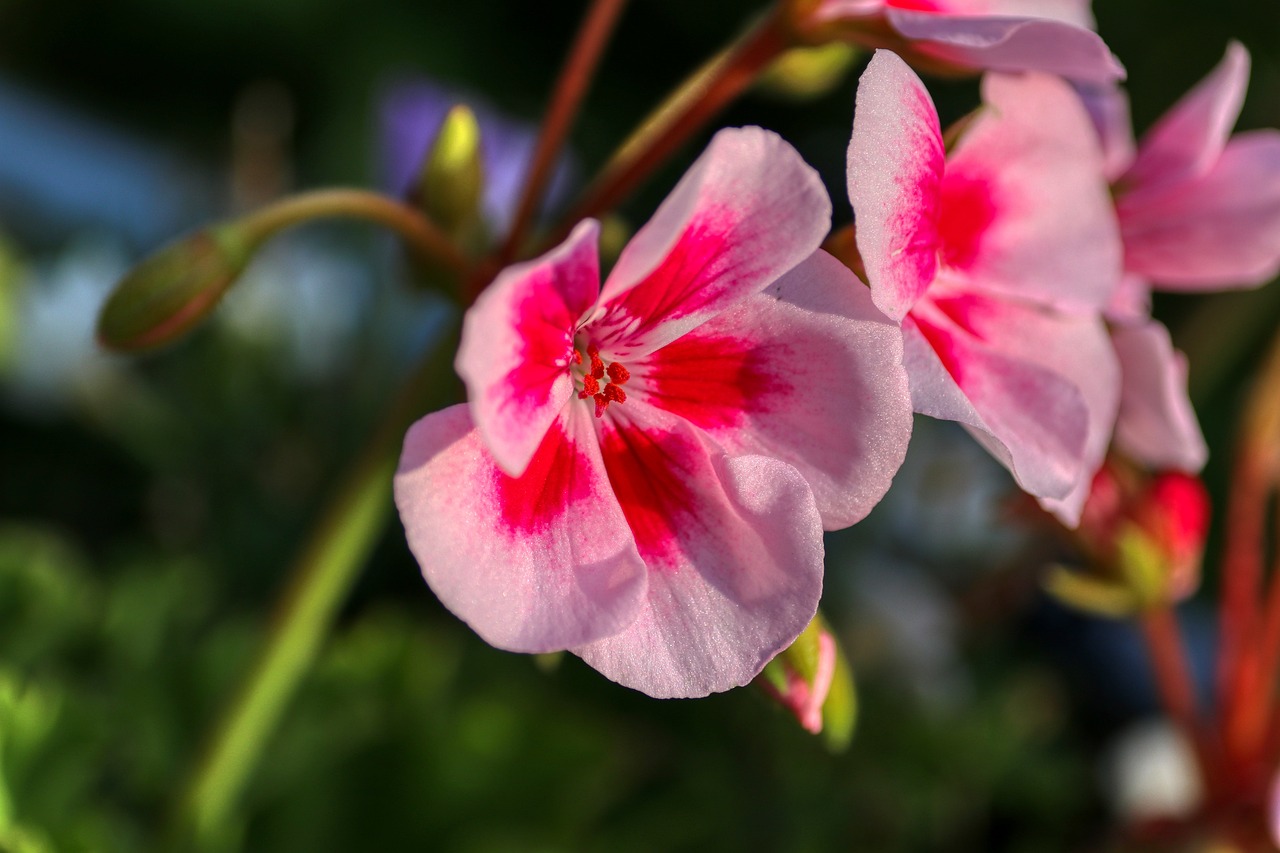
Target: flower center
column 592, row 372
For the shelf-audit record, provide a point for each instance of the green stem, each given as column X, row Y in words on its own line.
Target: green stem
column 418, row 231
column 321, row 578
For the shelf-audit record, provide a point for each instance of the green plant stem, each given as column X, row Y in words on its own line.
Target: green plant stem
column 418, row 232
column 321, row 578
column 570, row 89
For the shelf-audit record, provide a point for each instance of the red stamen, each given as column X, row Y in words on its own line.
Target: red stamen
column 597, row 365
column 590, row 387
column 614, row 394
column 618, row 373
column 577, row 357
column 602, row 403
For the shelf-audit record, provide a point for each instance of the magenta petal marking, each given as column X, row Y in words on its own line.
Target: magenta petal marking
column 749, row 210
column 895, row 166
column 533, row 564
column 714, row 381
column 967, row 211
column 517, row 345
column 734, row 578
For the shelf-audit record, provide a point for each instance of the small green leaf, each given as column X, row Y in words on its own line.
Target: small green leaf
column 1091, row 593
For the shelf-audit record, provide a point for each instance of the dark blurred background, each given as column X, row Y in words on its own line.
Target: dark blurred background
column 150, row 506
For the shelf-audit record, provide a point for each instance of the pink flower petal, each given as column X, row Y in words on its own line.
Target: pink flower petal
column 517, row 344
column 1108, row 106
column 533, row 564
column 808, row 372
column 895, row 166
column 1189, row 138
column 1216, row 231
column 1157, row 425
column 1031, row 419
column 1010, row 44
column 1078, row 349
column 734, row 549
column 1130, row 302
column 1025, row 206
column 746, row 212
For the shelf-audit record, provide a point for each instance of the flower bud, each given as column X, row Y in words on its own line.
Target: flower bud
column 174, row 289
column 808, row 72
column 451, row 183
column 1145, row 538
column 812, row 680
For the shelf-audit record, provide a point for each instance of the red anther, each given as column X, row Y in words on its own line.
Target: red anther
column 577, row 357
column 614, row 394
column 597, row 365
column 602, row 403
column 590, row 387
column 618, row 373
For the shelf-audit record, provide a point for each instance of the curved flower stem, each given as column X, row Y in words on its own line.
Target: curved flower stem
column 324, row 573
column 569, row 92
column 683, row 113
column 418, row 232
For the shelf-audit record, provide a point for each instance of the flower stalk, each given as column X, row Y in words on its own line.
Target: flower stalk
column 571, row 88
column 683, row 113
column 321, row 579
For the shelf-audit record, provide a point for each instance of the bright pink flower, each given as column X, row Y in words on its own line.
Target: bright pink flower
column 997, row 258
column 643, row 473
column 1053, row 36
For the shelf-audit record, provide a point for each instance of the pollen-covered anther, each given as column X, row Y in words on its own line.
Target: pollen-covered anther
column 597, row 364
column 602, row 403
column 618, row 374
column 590, row 387
column 614, row 394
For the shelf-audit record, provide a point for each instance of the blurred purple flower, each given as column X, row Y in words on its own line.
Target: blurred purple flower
column 411, row 112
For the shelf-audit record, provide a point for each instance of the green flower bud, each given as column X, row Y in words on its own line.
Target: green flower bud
column 173, row 290
column 451, row 183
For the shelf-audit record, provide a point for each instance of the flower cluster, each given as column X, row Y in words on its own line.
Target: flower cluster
column 645, row 467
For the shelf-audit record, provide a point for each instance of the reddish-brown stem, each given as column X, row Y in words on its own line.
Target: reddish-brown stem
column 1239, row 615
column 571, row 88
column 1173, row 681
column 685, row 112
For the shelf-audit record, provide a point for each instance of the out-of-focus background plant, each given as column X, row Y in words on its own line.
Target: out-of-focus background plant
column 150, row 507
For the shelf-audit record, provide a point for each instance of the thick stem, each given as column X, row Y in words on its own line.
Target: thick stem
column 1172, row 672
column 570, row 89
column 418, row 231
column 684, row 112
column 321, row 578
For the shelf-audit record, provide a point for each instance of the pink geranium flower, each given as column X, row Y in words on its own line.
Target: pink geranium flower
column 1054, row 36
column 644, row 471
column 997, row 257
column 1199, row 210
